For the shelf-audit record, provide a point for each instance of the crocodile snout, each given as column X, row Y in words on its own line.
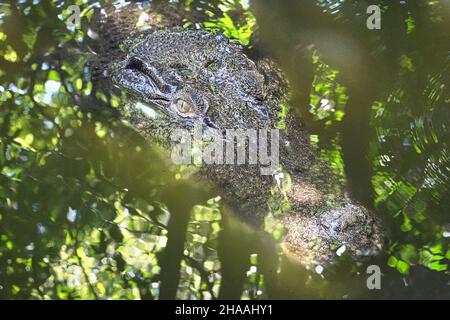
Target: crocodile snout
column 330, row 232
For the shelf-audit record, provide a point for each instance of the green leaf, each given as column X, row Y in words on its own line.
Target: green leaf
column 408, row 253
column 402, row 267
column 406, row 226
column 30, row 38
column 392, row 261
column 437, row 266
column 53, row 75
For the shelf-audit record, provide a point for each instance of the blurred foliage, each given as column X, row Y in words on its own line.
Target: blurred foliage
column 81, row 211
column 83, row 206
column 409, row 152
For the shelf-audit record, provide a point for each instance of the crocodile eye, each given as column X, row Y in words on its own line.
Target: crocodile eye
column 183, row 108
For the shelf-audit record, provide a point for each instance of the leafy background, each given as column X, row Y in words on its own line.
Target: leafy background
column 86, row 204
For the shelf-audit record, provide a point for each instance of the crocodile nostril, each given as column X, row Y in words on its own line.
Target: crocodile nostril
column 135, row 64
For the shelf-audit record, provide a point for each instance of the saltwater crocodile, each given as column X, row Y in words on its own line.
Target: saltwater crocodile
column 186, row 78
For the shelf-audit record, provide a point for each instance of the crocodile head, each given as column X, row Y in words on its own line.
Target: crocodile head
column 192, row 77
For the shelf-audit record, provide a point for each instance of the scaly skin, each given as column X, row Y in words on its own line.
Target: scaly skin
column 190, row 78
